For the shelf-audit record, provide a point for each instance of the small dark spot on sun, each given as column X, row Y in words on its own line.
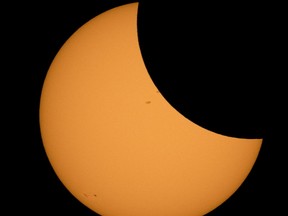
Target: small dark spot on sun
column 89, row 195
column 157, row 91
column 148, row 102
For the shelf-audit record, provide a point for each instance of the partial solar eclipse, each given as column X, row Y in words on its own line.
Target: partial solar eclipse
column 114, row 141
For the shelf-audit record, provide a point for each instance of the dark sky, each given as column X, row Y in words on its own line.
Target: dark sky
column 34, row 32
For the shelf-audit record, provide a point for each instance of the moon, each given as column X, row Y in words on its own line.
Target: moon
column 114, row 141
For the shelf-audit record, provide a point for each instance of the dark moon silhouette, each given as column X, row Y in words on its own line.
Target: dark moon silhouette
column 211, row 62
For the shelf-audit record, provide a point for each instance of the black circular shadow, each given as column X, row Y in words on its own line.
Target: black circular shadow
column 211, row 62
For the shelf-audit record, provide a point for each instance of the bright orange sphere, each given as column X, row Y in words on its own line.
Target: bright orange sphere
column 117, row 145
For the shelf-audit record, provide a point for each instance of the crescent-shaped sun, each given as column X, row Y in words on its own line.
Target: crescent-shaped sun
column 117, row 145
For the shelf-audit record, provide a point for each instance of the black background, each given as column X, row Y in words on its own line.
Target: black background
column 32, row 34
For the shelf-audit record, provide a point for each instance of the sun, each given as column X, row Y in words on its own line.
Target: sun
column 114, row 141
